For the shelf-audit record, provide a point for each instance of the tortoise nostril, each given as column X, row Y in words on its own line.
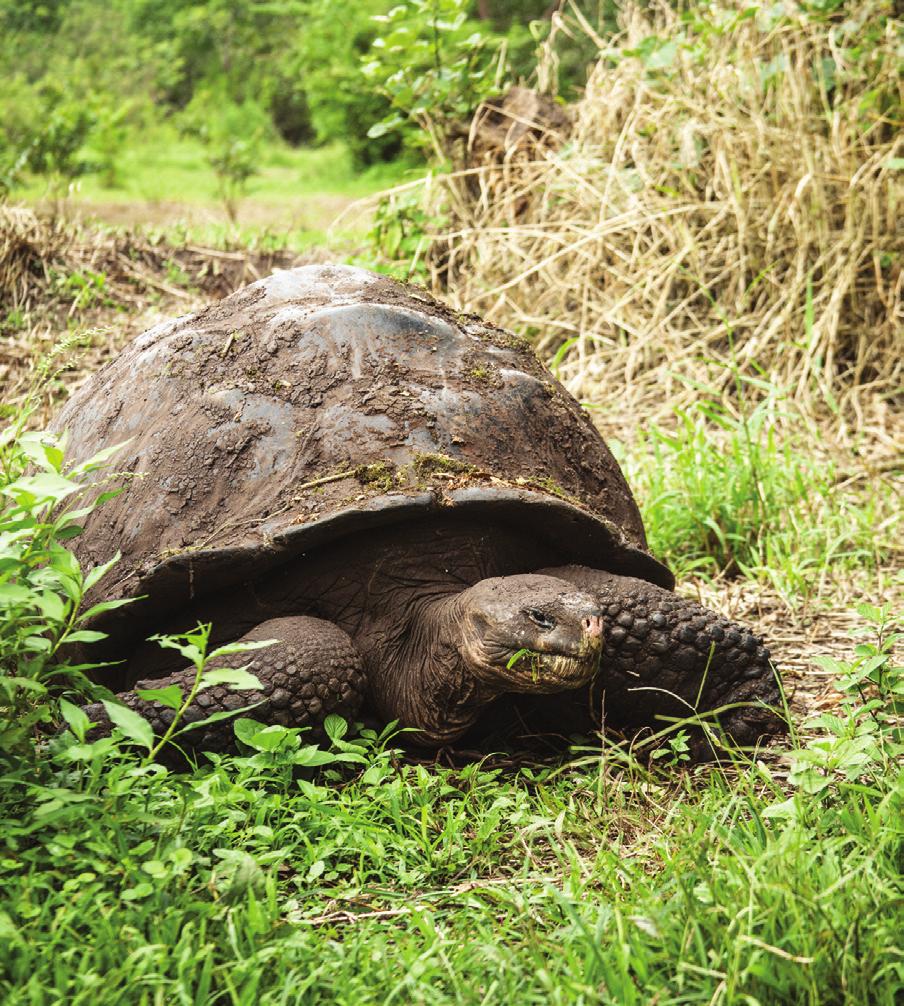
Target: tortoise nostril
column 593, row 626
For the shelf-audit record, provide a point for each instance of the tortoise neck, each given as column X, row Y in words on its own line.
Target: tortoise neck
column 426, row 683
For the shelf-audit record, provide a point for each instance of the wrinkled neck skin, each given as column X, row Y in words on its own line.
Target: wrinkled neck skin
column 422, row 679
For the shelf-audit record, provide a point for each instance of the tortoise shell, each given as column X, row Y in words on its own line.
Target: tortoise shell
column 325, row 400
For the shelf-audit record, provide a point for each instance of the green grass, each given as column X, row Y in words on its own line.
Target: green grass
column 590, row 883
column 299, row 188
column 754, row 493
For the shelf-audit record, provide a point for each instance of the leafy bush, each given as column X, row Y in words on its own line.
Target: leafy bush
column 435, row 67
column 41, row 582
column 42, row 586
column 51, row 131
column 343, row 104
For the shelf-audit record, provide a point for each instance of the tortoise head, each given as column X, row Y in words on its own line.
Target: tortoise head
column 529, row 633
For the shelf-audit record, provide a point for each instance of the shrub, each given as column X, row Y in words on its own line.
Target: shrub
column 41, row 582
column 435, row 67
column 232, row 135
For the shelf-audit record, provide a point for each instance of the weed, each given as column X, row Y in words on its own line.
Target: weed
column 861, row 741
column 41, row 582
column 16, row 319
column 85, row 289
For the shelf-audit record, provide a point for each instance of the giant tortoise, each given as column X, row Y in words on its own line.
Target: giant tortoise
column 406, row 500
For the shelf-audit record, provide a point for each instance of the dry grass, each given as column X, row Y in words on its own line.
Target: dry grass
column 731, row 206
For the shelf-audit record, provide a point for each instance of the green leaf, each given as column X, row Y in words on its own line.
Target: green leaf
column 54, row 456
column 240, row 647
column 188, row 650
column 98, row 571
column 831, row 665
column 100, row 459
column 223, row 714
column 44, row 486
column 134, row 726
column 15, row 593
column 312, row 757
column 171, row 696
column 67, row 532
column 872, row 663
column 51, row 605
column 519, row 654
column 37, row 644
column 76, row 718
column 42, row 450
column 662, row 57
column 138, row 892
column 786, row 810
column 336, row 727
column 263, row 738
column 236, row 677
column 84, row 636
column 29, row 684
column 8, row 929
column 99, row 609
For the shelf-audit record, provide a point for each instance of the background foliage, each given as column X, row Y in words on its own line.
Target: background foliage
column 137, row 63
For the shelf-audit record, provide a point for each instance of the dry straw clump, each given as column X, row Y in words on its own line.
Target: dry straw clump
column 729, row 191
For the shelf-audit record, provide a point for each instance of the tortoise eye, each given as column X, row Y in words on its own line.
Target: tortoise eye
column 540, row 618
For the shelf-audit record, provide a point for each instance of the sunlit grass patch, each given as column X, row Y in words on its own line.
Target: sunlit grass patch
column 758, row 494
column 162, row 175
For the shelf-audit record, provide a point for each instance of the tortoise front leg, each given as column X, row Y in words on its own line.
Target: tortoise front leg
column 313, row 670
column 667, row 656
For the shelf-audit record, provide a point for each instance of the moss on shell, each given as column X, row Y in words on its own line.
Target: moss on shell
column 426, row 465
column 379, row 474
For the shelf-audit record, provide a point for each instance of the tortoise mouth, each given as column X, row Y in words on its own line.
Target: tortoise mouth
column 547, row 672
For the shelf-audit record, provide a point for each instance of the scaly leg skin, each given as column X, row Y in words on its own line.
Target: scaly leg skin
column 313, row 670
column 683, row 656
